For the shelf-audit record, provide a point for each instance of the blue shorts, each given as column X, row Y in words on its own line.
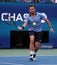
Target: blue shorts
column 37, row 35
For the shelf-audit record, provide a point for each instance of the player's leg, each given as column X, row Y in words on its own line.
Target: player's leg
column 37, row 41
column 32, row 52
column 31, row 43
column 37, row 45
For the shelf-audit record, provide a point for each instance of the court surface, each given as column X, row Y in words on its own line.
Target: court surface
column 21, row 57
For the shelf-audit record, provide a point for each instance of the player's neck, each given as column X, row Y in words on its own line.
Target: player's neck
column 33, row 14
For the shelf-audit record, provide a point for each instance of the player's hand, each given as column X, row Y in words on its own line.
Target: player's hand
column 20, row 28
column 51, row 30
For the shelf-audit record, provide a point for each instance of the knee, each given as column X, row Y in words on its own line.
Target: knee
column 37, row 44
column 31, row 40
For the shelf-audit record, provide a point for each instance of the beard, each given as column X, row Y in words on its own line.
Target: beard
column 32, row 13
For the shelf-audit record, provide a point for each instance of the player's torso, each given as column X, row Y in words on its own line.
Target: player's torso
column 35, row 23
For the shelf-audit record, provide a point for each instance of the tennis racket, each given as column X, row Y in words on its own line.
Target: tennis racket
column 13, row 23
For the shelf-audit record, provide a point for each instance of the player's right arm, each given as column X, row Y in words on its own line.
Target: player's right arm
column 25, row 23
column 23, row 26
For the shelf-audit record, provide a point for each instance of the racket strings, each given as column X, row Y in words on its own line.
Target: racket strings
column 10, row 23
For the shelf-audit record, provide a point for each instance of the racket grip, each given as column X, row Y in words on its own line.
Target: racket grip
column 19, row 28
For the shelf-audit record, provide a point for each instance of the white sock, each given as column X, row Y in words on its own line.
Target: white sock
column 32, row 52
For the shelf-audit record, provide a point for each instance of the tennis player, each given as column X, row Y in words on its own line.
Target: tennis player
column 34, row 20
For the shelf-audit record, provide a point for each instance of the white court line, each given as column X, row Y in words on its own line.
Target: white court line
column 10, row 63
column 27, row 56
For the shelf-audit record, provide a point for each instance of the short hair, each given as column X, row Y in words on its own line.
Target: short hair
column 31, row 5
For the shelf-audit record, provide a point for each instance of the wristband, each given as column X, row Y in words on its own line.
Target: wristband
column 23, row 27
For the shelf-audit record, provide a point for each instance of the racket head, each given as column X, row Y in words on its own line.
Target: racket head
column 12, row 23
column 9, row 23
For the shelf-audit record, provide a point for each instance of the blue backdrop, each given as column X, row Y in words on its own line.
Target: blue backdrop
column 49, row 9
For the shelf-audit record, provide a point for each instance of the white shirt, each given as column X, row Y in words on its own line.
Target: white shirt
column 55, row 1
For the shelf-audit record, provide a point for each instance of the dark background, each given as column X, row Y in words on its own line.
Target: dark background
column 20, row 39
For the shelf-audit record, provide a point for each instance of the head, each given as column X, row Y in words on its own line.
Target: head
column 31, row 9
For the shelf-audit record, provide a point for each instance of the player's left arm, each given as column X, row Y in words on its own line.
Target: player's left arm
column 49, row 24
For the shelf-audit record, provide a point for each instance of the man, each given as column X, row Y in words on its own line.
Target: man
column 20, row 0
column 7, row 0
column 27, row 0
column 37, row 1
column 53, row 1
column 45, row 1
column 34, row 20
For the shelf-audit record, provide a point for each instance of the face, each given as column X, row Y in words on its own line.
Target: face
column 32, row 10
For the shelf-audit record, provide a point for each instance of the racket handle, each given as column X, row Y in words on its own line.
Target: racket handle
column 20, row 28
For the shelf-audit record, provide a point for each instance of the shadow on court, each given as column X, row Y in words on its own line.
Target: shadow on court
column 24, row 60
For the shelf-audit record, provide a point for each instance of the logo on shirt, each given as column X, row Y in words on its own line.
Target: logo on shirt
column 34, row 23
